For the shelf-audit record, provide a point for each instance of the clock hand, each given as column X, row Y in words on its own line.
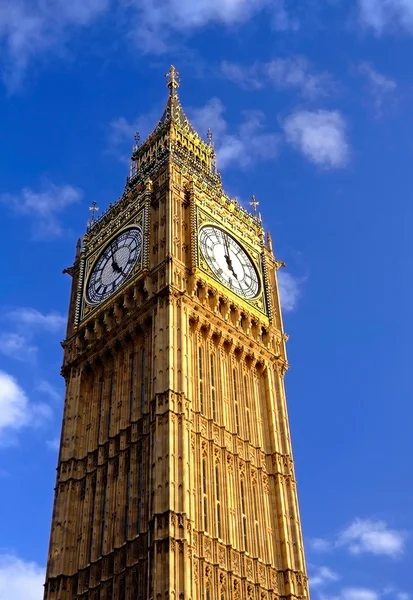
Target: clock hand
column 115, row 265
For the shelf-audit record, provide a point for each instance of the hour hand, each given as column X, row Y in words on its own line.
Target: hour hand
column 230, row 267
column 116, row 267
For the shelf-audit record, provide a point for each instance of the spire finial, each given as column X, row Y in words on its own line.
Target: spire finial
column 137, row 140
column 209, row 136
column 173, row 80
column 93, row 209
column 254, row 203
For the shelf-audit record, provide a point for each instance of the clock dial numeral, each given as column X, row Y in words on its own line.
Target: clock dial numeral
column 229, row 262
column 114, row 265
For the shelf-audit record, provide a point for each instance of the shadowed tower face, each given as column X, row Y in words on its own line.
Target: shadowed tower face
column 175, row 475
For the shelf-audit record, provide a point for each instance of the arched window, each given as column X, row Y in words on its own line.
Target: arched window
column 213, row 390
column 256, row 522
column 244, row 516
column 236, row 406
column 201, row 380
column 142, row 380
column 204, row 495
column 111, row 398
column 247, row 408
column 132, row 377
column 218, row 501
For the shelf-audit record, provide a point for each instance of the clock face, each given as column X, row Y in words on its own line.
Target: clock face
column 229, row 261
column 114, row 265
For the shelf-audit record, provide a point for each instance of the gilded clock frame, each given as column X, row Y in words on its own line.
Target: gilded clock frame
column 141, row 221
column 253, row 252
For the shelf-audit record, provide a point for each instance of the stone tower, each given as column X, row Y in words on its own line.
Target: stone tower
column 175, row 477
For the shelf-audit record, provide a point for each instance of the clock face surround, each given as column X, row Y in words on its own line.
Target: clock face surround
column 114, row 265
column 229, row 261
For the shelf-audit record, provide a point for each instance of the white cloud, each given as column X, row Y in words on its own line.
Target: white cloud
column 403, row 596
column 320, row 135
column 43, row 206
column 29, row 28
column 247, row 145
column 31, row 317
column 289, row 287
column 322, row 576
column 157, row 20
column 380, row 87
column 320, row 545
column 295, row 73
column 373, row 537
column 17, row 346
column 16, row 411
column 355, row 593
column 19, row 579
column 386, row 15
column 47, row 388
column 365, row 536
column 121, row 134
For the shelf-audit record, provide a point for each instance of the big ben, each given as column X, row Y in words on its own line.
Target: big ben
column 175, row 476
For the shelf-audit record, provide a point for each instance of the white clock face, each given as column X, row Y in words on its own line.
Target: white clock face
column 229, row 261
column 114, row 265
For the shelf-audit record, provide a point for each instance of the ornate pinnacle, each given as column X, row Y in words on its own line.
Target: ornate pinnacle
column 254, row 203
column 209, row 136
column 173, row 80
column 93, row 209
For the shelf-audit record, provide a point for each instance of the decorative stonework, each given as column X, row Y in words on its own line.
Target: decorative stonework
column 171, row 484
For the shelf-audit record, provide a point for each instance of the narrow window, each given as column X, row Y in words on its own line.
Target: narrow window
column 244, row 516
column 234, row 375
column 218, row 501
column 247, row 408
column 101, row 392
column 111, row 400
column 142, row 381
column 213, row 390
column 204, row 494
column 104, row 503
column 257, row 525
column 132, row 372
column 201, row 382
column 139, row 507
column 128, row 494
column 92, row 513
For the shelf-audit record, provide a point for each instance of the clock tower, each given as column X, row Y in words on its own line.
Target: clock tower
column 175, row 478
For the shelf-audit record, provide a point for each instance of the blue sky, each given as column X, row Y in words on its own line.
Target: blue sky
column 310, row 106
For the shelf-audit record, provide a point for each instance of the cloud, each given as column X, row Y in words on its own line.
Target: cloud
column 16, row 411
column 29, row 28
column 155, row 21
column 295, row 73
column 355, row 593
column 27, row 322
column 43, row 206
column 321, row 136
column 322, row 576
column 386, row 15
column 289, row 287
column 47, row 388
column 33, row 318
column 17, row 346
column 373, row 537
column 380, row 87
column 121, row 134
column 19, row 579
column 365, row 536
column 244, row 147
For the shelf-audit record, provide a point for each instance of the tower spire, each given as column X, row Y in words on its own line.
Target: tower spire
column 173, row 80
